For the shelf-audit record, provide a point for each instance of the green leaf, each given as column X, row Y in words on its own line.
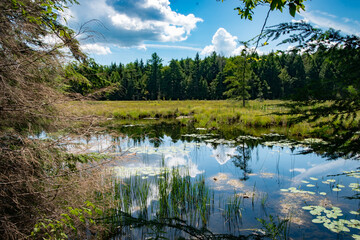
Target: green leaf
column 317, row 220
column 308, row 207
column 292, row 9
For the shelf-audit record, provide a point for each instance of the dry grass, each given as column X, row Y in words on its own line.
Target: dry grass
column 38, row 184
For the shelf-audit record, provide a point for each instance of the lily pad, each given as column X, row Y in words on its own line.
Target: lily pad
column 336, row 189
column 310, row 185
column 322, row 193
column 303, row 181
column 354, row 213
column 317, row 220
column 315, row 212
column 308, row 207
column 354, row 185
column 355, row 236
column 315, row 179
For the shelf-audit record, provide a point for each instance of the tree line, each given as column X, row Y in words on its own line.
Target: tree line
column 284, row 75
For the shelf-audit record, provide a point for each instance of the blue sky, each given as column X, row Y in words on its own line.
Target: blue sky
column 127, row 30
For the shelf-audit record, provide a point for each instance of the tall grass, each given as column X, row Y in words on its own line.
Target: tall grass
column 204, row 114
column 176, row 196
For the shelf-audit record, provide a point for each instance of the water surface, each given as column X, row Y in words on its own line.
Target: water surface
column 269, row 175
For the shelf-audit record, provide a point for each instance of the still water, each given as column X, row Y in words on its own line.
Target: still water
column 244, row 179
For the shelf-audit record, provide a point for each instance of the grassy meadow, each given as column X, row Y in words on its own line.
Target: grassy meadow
column 256, row 118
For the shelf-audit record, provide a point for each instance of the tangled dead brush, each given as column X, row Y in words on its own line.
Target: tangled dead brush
column 38, row 180
column 40, row 183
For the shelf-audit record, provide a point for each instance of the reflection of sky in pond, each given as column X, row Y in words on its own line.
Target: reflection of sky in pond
column 263, row 168
column 283, row 163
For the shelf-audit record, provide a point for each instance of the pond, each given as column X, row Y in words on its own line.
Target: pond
column 231, row 186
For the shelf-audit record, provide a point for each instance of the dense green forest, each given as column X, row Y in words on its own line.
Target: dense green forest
column 281, row 75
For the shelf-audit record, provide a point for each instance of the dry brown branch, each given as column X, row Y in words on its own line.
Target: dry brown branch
column 34, row 178
column 34, row 183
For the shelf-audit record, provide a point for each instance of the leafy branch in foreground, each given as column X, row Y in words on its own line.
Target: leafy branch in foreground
column 309, row 38
column 246, row 9
column 337, row 120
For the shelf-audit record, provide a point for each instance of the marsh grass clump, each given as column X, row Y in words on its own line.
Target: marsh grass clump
column 205, row 114
column 233, row 210
column 266, row 116
column 169, row 194
column 276, row 229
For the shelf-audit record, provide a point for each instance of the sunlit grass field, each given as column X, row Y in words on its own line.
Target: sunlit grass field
column 222, row 114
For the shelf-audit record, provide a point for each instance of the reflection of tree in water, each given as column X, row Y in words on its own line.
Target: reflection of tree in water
column 241, row 160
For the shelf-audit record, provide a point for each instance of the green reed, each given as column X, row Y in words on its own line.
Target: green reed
column 232, row 211
column 177, row 196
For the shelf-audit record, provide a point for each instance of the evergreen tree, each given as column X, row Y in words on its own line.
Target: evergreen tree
column 238, row 74
column 154, row 79
column 176, row 79
column 194, row 79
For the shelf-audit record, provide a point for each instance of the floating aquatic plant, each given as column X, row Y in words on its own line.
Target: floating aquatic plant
column 355, row 236
column 247, row 137
column 313, row 141
column 193, row 135
column 327, row 218
column 355, row 174
column 354, row 185
column 315, row 179
column 221, row 141
column 282, row 143
column 295, row 190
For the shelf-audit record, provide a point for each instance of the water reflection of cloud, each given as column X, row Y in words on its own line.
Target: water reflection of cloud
column 184, row 161
column 93, row 144
column 167, row 157
column 300, row 170
column 326, row 168
column 162, row 150
column 223, row 153
column 174, row 155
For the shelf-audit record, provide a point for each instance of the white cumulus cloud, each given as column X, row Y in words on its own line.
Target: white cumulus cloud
column 96, row 49
column 129, row 23
column 326, row 20
column 224, row 44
